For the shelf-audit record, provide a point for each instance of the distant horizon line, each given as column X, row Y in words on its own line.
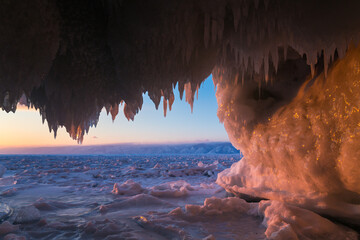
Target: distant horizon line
column 113, row 144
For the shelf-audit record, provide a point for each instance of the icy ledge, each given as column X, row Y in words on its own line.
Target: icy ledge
column 281, row 220
column 242, row 178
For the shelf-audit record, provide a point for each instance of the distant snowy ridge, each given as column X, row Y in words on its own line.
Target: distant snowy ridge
column 187, row 148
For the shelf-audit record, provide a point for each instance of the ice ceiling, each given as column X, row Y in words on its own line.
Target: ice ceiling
column 287, row 75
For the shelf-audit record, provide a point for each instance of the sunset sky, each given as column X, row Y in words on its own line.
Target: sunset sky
column 25, row 128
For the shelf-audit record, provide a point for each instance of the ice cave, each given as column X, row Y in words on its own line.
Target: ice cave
column 287, row 76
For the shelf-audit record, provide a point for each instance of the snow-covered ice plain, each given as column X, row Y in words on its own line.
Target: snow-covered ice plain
column 109, row 197
column 141, row 197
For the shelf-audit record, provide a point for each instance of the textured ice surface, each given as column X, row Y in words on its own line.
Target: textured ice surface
column 95, row 197
column 307, row 152
column 2, row 170
column 27, row 214
column 143, row 197
column 288, row 222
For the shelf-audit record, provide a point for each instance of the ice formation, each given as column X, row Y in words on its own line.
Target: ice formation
column 27, row 214
column 71, row 59
column 281, row 221
column 287, row 76
column 306, row 152
column 288, row 222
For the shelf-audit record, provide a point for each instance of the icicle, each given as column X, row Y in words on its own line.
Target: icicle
column 236, row 79
column 236, row 15
column 107, row 108
column 245, row 9
column 275, row 56
column 206, row 29
column 189, row 95
column 341, row 48
column 266, row 3
column 312, row 68
column 197, row 92
column 129, row 114
column 256, row 3
column 220, row 29
column 266, row 68
column 242, row 78
column 326, row 62
column 171, row 100
column 156, row 100
column 114, row 111
column 213, row 31
column 257, row 64
column 188, row 54
column 285, row 52
column 164, row 106
column 259, row 89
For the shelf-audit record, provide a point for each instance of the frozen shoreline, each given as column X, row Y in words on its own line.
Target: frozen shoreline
column 142, row 197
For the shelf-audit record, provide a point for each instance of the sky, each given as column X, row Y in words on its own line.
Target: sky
column 25, row 128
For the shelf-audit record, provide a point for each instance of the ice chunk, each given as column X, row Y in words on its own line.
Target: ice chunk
column 2, row 170
column 140, row 200
column 27, row 214
column 171, row 189
column 288, row 222
column 12, row 236
column 129, row 188
column 214, row 206
column 7, row 227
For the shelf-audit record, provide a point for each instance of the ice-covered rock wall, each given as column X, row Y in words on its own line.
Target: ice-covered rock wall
column 307, row 151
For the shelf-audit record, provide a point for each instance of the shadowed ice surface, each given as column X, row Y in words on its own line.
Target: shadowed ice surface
column 115, row 197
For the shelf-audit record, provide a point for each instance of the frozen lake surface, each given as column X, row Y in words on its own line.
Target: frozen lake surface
column 142, row 197
column 117, row 197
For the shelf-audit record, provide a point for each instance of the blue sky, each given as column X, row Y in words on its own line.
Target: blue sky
column 25, row 128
